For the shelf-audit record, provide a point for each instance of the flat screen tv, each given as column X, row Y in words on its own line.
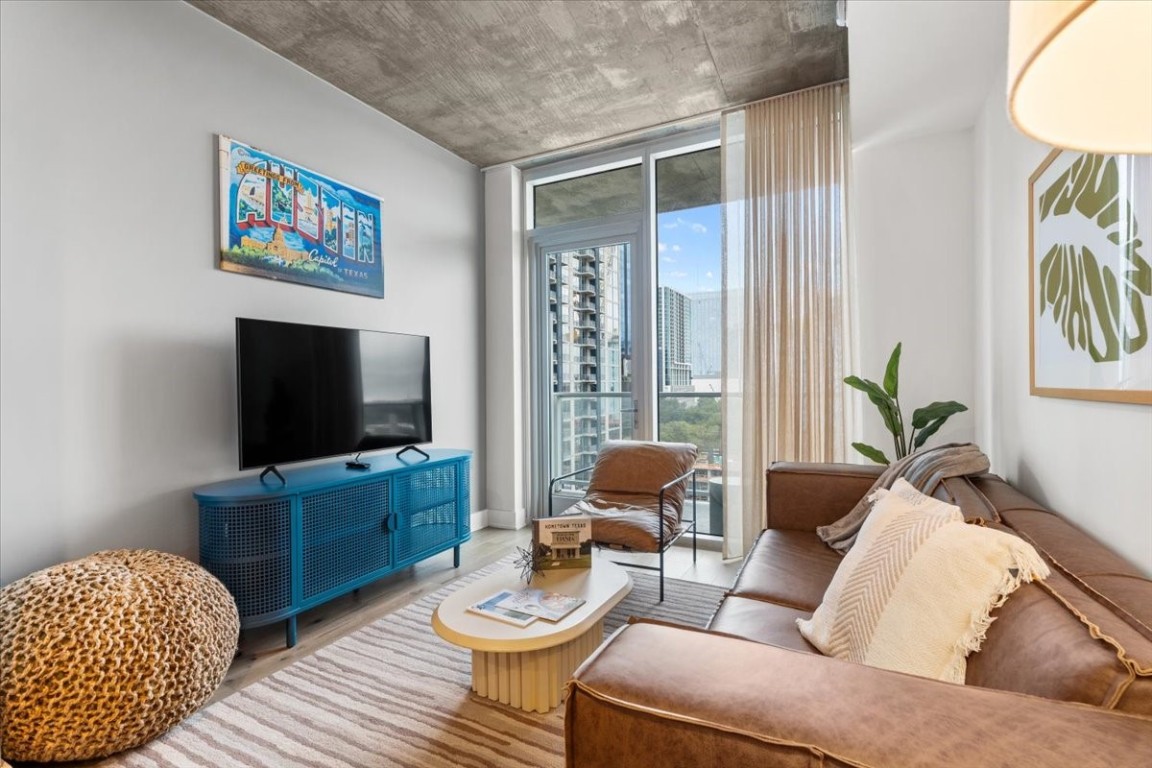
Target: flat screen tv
column 309, row 391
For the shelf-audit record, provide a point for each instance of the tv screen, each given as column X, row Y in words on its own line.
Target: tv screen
column 308, row 391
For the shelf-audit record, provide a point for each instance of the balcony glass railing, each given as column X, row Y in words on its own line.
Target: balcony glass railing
column 695, row 418
column 580, row 422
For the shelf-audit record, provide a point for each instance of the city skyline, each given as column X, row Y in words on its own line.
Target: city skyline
column 688, row 262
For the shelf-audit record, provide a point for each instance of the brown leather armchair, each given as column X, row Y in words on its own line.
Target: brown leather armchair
column 635, row 497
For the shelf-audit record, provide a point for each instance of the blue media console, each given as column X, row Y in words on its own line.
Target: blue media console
column 282, row 549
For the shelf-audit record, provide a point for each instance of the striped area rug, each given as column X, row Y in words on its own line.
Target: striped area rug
column 391, row 694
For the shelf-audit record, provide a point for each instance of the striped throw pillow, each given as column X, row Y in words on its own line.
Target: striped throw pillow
column 916, row 591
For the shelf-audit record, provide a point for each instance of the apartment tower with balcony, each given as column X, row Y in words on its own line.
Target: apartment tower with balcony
column 591, row 376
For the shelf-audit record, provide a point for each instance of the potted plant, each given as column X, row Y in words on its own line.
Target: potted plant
column 925, row 421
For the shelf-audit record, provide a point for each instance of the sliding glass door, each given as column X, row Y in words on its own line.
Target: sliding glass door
column 585, row 345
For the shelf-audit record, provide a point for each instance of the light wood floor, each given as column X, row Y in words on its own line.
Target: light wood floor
column 262, row 649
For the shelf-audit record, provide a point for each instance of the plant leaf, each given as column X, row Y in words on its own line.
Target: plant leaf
column 927, row 432
column 891, row 422
column 892, row 372
column 938, row 410
column 880, row 399
column 868, row 387
column 877, row 395
column 885, row 404
column 874, row 454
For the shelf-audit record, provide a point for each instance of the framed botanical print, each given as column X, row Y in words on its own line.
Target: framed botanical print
column 1090, row 217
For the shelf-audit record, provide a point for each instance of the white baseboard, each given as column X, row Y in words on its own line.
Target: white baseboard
column 703, row 542
column 507, row 518
column 479, row 520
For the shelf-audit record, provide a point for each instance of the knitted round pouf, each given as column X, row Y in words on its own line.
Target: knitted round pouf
column 104, row 653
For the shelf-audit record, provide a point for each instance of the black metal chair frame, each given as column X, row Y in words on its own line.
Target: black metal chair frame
column 682, row 527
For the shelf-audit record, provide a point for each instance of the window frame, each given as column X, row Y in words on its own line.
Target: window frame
column 641, row 228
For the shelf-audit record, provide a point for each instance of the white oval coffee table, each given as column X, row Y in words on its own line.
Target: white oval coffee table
column 527, row 667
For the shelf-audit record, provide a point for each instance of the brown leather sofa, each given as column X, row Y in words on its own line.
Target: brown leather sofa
column 1064, row 677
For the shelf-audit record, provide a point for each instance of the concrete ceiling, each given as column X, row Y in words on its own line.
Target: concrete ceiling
column 499, row 80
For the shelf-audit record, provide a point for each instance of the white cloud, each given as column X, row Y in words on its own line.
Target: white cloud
column 667, row 259
column 708, row 274
column 696, row 227
column 678, row 274
column 661, row 248
column 676, row 249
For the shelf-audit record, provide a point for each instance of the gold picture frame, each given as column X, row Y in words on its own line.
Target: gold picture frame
column 1090, row 283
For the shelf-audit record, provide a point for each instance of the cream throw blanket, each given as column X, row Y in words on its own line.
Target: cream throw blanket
column 923, row 470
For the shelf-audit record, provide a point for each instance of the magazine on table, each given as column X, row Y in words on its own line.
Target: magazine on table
column 551, row 606
column 491, row 608
column 564, row 542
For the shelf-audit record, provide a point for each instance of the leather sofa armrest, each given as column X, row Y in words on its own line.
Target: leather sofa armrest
column 733, row 702
column 804, row 495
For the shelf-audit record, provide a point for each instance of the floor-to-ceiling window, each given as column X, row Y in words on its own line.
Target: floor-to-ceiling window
column 688, row 326
column 625, row 251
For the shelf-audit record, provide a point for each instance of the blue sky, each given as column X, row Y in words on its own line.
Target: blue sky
column 688, row 249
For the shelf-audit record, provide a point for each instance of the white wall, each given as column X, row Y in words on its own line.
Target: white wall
column 117, row 375
column 1092, row 462
column 939, row 214
column 921, row 67
column 912, row 216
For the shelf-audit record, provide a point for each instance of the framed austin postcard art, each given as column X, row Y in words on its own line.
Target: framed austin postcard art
column 283, row 221
column 1090, row 218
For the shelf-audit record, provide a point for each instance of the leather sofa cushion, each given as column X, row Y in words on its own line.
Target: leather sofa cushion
column 761, row 621
column 964, row 493
column 736, row 703
column 1097, row 569
column 1084, row 634
column 1002, row 496
column 1040, row 646
column 791, row 568
column 801, row 496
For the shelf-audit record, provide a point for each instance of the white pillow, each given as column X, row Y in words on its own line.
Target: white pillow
column 915, row 592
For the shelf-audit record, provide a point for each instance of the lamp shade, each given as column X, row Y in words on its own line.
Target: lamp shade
column 1080, row 73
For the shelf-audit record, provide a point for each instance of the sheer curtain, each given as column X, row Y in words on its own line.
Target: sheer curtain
column 785, row 294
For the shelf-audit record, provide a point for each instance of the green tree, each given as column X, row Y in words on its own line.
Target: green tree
column 693, row 420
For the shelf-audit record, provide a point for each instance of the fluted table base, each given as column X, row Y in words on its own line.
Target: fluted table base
column 532, row 680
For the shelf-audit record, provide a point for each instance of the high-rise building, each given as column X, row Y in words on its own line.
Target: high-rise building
column 673, row 340
column 704, row 352
column 590, row 352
